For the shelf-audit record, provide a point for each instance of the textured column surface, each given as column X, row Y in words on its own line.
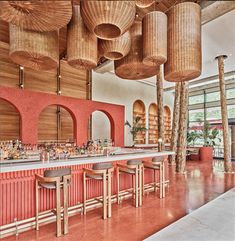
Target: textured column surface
column 224, row 113
column 182, row 135
column 160, row 106
column 175, row 122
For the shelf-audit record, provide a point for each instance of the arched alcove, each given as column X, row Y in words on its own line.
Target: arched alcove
column 152, row 126
column 55, row 124
column 139, row 111
column 167, row 124
column 9, row 121
column 100, row 126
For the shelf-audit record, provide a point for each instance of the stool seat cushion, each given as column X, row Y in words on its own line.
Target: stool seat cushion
column 134, row 162
column 48, row 185
column 158, row 159
column 102, row 166
column 57, row 173
column 97, row 177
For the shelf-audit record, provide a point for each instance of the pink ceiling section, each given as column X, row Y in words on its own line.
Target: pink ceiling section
column 30, row 104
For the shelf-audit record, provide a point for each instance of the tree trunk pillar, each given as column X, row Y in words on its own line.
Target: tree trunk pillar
column 224, row 113
column 160, row 113
column 182, row 135
column 175, row 122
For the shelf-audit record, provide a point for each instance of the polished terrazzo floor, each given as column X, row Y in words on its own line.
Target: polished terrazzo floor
column 201, row 183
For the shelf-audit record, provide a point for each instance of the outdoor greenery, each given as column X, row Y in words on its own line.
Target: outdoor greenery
column 136, row 128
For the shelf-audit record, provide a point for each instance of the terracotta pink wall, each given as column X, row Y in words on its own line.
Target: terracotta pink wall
column 30, row 104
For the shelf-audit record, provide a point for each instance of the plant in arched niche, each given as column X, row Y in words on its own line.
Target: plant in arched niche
column 136, row 127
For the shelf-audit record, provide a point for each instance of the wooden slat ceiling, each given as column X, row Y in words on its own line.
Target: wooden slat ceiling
column 160, row 5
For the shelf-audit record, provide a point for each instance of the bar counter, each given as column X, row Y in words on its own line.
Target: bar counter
column 17, row 187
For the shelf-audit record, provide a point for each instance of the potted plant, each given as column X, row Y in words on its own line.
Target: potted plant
column 210, row 135
column 136, row 128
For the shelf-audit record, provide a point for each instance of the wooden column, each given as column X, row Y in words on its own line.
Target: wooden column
column 224, row 113
column 160, row 113
column 175, row 122
column 182, row 135
column 233, row 141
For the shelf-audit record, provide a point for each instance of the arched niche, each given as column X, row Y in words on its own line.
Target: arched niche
column 139, row 111
column 167, row 124
column 101, row 127
column 55, row 123
column 9, row 121
column 152, row 126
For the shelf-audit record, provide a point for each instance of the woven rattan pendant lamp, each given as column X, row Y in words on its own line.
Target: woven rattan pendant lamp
column 108, row 19
column 117, row 48
column 154, row 26
column 131, row 67
column 144, row 3
column 184, row 42
column 36, row 50
column 82, row 48
column 36, row 15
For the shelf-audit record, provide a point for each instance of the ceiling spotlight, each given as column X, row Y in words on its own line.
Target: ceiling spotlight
column 21, row 67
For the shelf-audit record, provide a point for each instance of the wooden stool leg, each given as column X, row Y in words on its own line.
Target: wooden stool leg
column 154, row 180
column 163, row 180
column 118, row 185
column 136, row 187
column 65, row 206
column 109, row 195
column 58, row 210
column 36, row 205
column 143, row 180
column 160, row 180
column 104, row 196
column 140, row 185
column 84, row 193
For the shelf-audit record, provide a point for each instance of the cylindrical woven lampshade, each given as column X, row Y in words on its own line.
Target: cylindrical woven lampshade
column 154, row 26
column 117, row 48
column 36, row 50
column 82, row 46
column 108, row 19
column 131, row 66
column 36, row 15
column 184, row 42
column 144, row 3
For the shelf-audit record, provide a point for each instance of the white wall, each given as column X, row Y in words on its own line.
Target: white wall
column 110, row 88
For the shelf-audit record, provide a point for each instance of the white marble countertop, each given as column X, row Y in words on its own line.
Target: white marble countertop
column 21, row 165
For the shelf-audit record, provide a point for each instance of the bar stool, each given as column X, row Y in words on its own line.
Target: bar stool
column 157, row 163
column 55, row 180
column 100, row 172
column 134, row 168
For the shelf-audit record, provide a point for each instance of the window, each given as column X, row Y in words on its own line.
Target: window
column 197, row 99
column 230, row 93
column 195, row 115
column 231, row 111
column 213, row 113
column 214, row 96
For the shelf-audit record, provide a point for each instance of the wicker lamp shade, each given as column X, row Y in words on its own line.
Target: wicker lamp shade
column 117, row 48
column 184, row 42
column 144, row 3
column 154, row 26
column 82, row 45
column 36, row 50
column 36, row 15
column 131, row 66
column 108, row 19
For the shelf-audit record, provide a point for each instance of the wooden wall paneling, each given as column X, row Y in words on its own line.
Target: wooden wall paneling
column 66, row 125
column 4, row 31
column 9, row 122
column 9, row 72
column 167, row 124
column 73, row 81
column 41, row 81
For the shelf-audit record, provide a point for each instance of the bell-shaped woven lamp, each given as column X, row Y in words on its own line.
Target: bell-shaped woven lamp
column 154, row 26
column 108, row 19
column 82, row 45
column 117, row 48
column 36, row 15
column 131, row 67
column 36, row 50
column 184, row 43
column 144, row 3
